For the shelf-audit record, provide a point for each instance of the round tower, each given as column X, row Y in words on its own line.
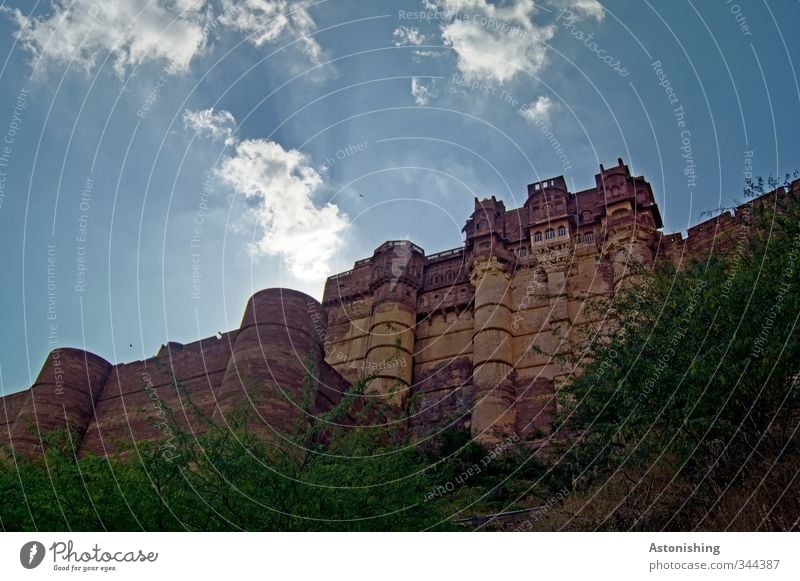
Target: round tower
column 494, row 410
column 276, row 355
column 397, row 268
column 62, row 397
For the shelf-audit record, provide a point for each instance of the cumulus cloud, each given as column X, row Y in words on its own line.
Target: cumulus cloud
column 84, row 32
column 407, row 35
column 423, row 90
column 135, row 32
column 280, row 186
column 209, row 123
column 266, row 21
column 581, row 8
column 493, row 42
column 538, row 111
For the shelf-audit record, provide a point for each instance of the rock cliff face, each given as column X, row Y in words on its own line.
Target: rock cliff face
column 468, row 338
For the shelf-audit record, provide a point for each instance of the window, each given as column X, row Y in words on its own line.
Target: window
column 620, row 213
column 523, row 252
column 578, row 239
column 450, row 275
column 562, row 231
column 588, row 237
column 537, row 237
column 549, row 234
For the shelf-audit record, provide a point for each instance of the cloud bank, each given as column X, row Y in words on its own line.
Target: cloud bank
column 83, row 33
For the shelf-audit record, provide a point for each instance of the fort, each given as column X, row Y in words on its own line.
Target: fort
column 469, row 338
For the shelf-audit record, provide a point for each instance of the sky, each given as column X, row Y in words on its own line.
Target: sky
column 162, row 160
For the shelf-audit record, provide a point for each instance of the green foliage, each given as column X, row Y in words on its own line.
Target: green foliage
column 319, row 478
column 695, row 390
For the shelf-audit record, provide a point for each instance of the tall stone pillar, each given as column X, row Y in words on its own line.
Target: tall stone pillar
column 389, row 361
column 494, row 413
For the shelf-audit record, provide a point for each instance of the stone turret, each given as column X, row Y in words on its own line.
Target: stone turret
column 277, row 354
column 63, row 398
column 397, row 268
column 631, row 220
column 494, row 412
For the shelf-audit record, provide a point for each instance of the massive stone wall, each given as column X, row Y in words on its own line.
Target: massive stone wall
column 478, row 337
column 263, row 367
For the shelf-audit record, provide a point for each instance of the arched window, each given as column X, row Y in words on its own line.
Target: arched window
column 450, row 275
column 537, row 237
column 562, row 231
column 549, row 234
column 436, row 279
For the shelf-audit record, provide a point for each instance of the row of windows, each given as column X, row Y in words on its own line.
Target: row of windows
column 549, row 234
column 561, row 231
column 436, row 279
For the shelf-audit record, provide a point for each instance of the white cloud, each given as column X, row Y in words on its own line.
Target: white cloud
column 538, row 111
column 407, row 35
column 280, row 186
column 266, row 21
column 214, row 124
column 423, row 90
column 494, row 42
column 84, row 32
column 581, row 8
column 135, row 32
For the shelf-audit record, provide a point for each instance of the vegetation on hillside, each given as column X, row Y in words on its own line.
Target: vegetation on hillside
column 687, row 416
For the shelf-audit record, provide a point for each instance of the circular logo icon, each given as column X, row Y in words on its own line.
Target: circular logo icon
column 31, row 554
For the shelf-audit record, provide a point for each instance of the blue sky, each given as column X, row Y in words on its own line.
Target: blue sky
column 168, row 158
